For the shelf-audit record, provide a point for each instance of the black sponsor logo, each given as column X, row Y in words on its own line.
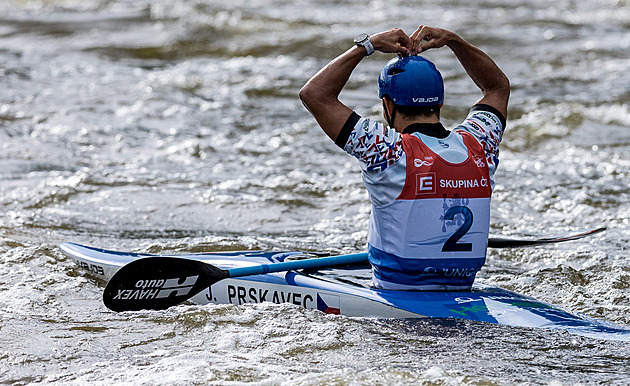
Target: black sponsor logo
column 91, row 268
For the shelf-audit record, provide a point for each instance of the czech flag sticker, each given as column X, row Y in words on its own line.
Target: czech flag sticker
column 329, row 304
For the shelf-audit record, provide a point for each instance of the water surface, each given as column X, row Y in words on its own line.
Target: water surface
column 165, row 126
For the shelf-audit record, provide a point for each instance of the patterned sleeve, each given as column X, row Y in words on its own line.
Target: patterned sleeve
column 375, row 145
column 486, row 124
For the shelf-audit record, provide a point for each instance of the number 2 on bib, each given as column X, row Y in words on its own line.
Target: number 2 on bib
column 452, row 245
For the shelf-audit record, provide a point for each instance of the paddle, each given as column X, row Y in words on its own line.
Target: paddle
column 160, row 282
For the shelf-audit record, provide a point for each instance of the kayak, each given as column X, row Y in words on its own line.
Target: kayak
column 483, row 303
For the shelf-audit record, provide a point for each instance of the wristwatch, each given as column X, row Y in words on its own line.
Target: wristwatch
column 363, row 40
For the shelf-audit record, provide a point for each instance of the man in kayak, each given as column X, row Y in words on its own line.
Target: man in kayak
column 429, row 187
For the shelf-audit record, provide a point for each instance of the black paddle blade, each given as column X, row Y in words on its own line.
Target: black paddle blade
column 500, row 242
column 157, row 283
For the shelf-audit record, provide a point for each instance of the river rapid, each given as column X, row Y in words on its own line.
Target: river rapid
column 174, row 126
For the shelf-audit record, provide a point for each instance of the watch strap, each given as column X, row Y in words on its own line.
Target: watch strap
column 363, row 40
column 368, row 46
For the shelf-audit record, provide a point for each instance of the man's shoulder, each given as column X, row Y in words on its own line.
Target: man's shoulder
column 374, row 144
column 365, row 128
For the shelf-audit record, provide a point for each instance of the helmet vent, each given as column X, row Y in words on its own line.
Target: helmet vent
column 395, row 71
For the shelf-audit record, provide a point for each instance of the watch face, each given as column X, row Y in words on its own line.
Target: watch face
column 360, row 38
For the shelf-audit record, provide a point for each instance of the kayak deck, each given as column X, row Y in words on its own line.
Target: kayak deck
column 483, row 303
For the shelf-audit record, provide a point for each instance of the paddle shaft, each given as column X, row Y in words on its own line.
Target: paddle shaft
column 332, row 261
column 320, row 262
column 357, row 258
column 361, row 259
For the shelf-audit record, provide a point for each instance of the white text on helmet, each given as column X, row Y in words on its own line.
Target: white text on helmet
column 425, row 100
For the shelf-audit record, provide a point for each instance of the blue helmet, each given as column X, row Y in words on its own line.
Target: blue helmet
column 411, row 81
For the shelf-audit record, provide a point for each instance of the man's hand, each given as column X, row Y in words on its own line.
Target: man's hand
column 433, row 37
column 392, row 41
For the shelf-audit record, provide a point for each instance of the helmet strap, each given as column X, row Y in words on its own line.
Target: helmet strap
column 390, row 119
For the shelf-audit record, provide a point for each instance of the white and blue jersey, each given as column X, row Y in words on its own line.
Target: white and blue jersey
column 430, row 191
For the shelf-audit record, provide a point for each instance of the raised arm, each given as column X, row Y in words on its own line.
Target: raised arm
column 493, row 83
column 320, row 94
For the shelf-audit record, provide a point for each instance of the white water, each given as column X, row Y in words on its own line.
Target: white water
column 175, row 126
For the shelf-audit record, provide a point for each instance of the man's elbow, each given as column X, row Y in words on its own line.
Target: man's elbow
column 504, row 85
column 310, row 97
column 500, row 88
column 307, row 95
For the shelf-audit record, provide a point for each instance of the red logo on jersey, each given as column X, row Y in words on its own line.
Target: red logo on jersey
column 425, row 183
